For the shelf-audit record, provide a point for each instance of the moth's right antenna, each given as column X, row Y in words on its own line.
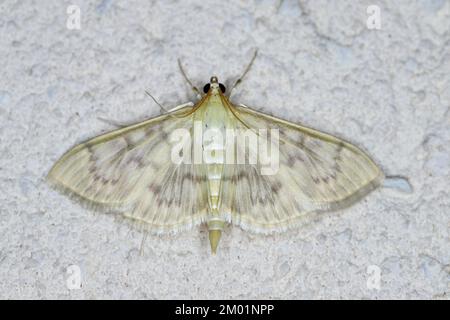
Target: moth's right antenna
column 239, row 80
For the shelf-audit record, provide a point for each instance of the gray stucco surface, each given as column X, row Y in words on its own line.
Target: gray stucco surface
column 387, row 90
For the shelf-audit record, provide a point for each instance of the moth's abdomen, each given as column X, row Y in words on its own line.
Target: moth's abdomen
column 214, row 122
column 214, row 173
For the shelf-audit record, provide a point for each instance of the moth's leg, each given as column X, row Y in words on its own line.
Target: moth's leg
column 113, row 123
column 194, row 88
column 120, row 125
column 239, row 80
column 188, row 104
column 154, row 99
column 141, row 249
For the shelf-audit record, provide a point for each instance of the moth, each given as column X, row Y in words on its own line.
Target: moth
column 137, row 170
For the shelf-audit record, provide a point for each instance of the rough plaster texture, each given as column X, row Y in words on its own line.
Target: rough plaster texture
column 388, row 90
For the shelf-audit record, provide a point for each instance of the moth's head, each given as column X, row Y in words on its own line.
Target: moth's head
column 214, row 86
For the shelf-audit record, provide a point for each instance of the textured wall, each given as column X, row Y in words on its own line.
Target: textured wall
column 388, row 90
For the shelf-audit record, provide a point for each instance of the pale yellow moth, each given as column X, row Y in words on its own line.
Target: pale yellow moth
column 132, row 170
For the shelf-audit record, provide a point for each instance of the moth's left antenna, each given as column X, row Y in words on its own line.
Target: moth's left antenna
column 194, row 88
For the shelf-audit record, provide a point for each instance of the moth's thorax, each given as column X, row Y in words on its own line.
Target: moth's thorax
column 213, row 113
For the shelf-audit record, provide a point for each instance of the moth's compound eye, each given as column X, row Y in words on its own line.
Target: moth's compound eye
column 222, row 88
column 206, row 88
